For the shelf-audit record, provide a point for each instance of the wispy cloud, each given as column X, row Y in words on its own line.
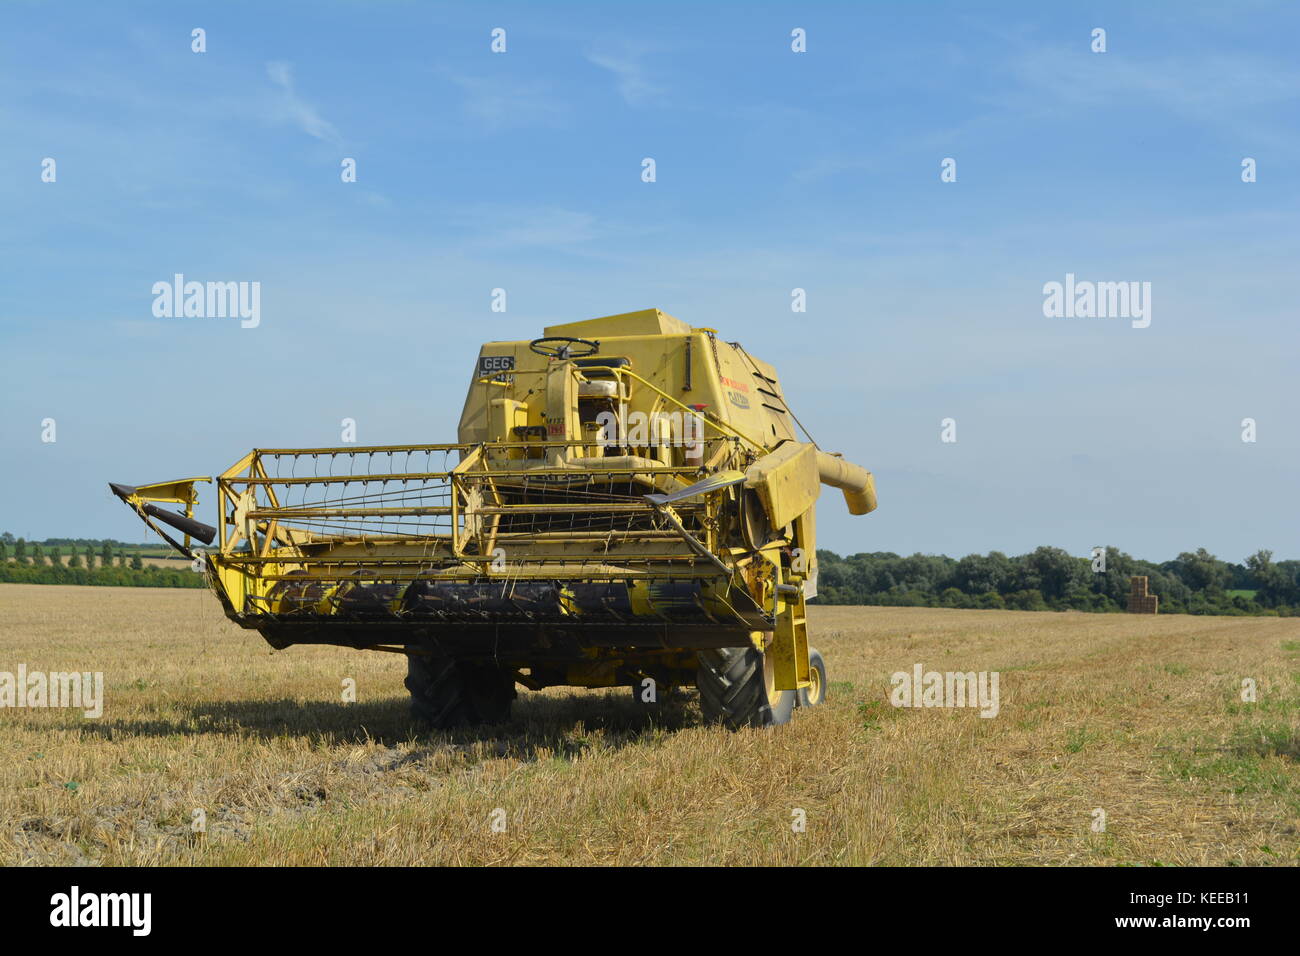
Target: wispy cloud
column 1232, row 94
column 294, row 109
column 499, row 102
column 550, row 227
column 633, row 84
column 825, row 166
column 1196, row 87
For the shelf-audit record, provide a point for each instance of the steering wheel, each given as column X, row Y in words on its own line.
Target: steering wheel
column 562, row 347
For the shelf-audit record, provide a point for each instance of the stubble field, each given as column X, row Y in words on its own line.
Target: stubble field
column 1139, row 718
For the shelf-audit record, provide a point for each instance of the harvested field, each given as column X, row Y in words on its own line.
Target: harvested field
column 1137, row 716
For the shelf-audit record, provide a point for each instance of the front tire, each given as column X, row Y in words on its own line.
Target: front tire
column 448, row 693
column 814, row 695
column 737, row 690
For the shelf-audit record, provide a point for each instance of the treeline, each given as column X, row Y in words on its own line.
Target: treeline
column 114, row 577
column 82, row 561
column 77, row 544
column 1050, row 579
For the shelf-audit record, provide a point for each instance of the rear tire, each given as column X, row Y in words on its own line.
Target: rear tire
column 814, row 695
column 448, row 693
column 736, row 689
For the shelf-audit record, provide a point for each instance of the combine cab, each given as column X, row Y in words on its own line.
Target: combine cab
column 628, row 504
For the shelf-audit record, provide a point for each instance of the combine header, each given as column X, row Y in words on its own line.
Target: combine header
column 628, row 504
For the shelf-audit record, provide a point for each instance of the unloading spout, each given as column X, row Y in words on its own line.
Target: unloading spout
column 856, row 482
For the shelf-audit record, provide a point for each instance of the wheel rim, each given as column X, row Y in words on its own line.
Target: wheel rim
column 815, row 689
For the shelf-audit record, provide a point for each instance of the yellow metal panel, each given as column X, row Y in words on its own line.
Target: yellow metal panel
column 787, row 481
column 561, row 403
column 644, row 322
column 789, row 647
column 504, row 416
column 180, row 491
column 789, row 652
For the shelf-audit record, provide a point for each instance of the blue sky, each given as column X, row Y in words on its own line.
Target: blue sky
column 775, row 170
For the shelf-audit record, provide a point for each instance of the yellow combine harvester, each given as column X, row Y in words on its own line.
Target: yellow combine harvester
column 628, row 504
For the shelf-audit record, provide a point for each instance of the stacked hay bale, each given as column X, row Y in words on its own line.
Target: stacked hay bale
column 1139, row 601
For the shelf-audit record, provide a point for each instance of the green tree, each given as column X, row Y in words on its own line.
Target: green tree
column 1030, row 599
column 1053, row 572
column 1288, row 583
column 1271, row 584
column 980, row 574
column 106, row 555
column 1201, row 571
column 1114, row 582
column 953, row 597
